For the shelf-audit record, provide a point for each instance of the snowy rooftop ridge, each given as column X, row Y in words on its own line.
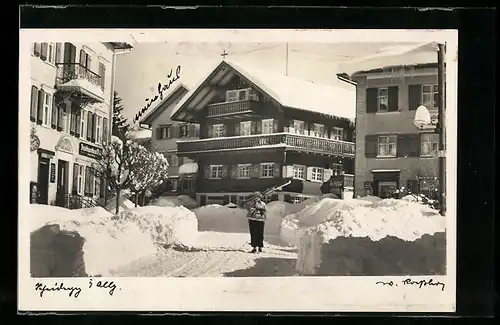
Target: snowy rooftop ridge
column 338, row 100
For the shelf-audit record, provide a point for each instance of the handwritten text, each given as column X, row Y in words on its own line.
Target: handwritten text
column 74, row 291
column 417, row 283
column 161, row 89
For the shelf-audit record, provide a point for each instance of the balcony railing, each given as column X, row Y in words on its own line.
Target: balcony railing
column 72, row 71
column 229, row 108
column 288, row 140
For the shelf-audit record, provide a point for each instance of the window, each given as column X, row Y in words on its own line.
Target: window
column 383, row 99
column 268, row 126
column 387, row 189
column 242, row 199
column 387, row 145
column 299, row 126
column 317, row 174
column 246, row 128
column 296, row 199
column 429, row 144
column 219, row 130
column 430, row 96
column 337, row 169
column 298, row 171
column 242, row 94
column 85, row 59
column 215, row 171
column 82, row 123
column 184, row 131
column 266, row 170
column 318, row 130
column 337, row 133
column 46, row 108
column 164, row 132
column 231, row 95
column 244, row 170
column 174, row 185
column 98, row 129
column 174, row 160
column 51, row 53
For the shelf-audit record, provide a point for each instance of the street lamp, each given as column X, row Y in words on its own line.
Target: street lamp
column 423, row 118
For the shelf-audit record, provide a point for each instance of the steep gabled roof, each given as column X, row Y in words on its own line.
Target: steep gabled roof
column 337, row 100
column 179, row 90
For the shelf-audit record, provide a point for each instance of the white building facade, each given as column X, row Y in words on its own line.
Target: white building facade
column 71, row 115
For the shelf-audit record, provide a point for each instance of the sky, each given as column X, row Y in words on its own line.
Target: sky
column 139, row 71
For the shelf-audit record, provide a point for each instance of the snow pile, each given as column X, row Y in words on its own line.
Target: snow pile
column 123, row 204
column 360, row 237
column 215, row 217
column 173, row 201
column 276, row 211
column 83, row 242
column 168, row 226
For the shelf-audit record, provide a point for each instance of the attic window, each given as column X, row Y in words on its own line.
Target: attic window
column 241, row 94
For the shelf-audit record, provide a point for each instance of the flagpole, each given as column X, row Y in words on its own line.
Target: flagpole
column 286, row 60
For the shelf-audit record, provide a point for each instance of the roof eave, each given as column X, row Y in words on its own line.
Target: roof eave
column 148, row 119
column 120, row 45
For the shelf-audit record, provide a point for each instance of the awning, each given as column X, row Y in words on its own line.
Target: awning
column 189, row 168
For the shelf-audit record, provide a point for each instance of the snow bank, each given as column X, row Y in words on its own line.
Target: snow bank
column 123, row 204
column 276, row 211
column 173, row 201
column 361, row 237
column 215, row 217
column 83, row 242
column 92, row 241
column 168, row 226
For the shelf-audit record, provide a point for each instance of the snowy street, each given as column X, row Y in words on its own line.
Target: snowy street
column 217, row 254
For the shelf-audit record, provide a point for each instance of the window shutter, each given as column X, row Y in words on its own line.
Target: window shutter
column 94, row 125
column 89, row 126
column 34, row 103
column 36, row 49
column 403, row 145
column 224, row 171
column 102, row 74
column 309, row 171
column 83, row 59
column 371, row 100
column 210, row 131
column 104, row 130
column 393, row 101
column 414, row 96
column 158, row 133
column 259, row 127
column 289, row 171
column 41, row 96
column 283, row 171
column 177, row 131
column 277, row 171
column 43, row 52
column 253, row 127
column 57, row 56
column 61, row 108
column 54, row 113
column 78, row 116
column 414, row 145
column 236, row 128
column 327, row 173
column 275, row 125
column 87, row 181
column 224, row 130
column 255, row 173
column 73, row 122
column 207, row 171
column 371, row 145
column 75, row 178
column 180, row 161
column 234, row 171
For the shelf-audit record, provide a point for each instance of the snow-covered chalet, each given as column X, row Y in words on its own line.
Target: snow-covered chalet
column 71, row 105
column 259, row 129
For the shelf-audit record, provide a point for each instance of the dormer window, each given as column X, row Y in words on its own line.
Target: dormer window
column 241, row 94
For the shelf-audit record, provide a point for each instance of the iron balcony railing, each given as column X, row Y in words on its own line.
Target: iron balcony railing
column 230, row 108
column 72, row 71
column 288, row 140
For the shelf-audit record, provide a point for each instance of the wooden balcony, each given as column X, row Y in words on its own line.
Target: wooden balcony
column 288, row 141
column 230, row 108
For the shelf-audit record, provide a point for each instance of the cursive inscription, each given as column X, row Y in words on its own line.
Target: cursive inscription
column 417, row 283
column 161, row 88
column 105, row 285
column 73, row 291
column 423, row 283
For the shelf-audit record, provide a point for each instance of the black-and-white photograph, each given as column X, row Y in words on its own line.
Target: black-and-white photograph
column 230, row 159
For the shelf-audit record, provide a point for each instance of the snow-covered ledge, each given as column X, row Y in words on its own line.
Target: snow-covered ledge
column 85, row 86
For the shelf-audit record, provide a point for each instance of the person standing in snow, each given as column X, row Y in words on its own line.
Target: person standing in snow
column 257, row 211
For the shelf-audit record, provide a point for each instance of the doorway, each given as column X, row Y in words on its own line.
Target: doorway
column 385, row 184
column 62, row 182
column 43, row 180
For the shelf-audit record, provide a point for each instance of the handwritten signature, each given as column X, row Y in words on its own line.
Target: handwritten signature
column 410, row 282
column 161, row 89
column 74, row 291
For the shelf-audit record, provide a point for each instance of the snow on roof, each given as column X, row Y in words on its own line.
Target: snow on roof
column 140, row 134
column 337, row 100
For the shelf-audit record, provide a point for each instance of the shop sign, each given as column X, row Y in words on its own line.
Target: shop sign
column 89, row 151
column 52, row 173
